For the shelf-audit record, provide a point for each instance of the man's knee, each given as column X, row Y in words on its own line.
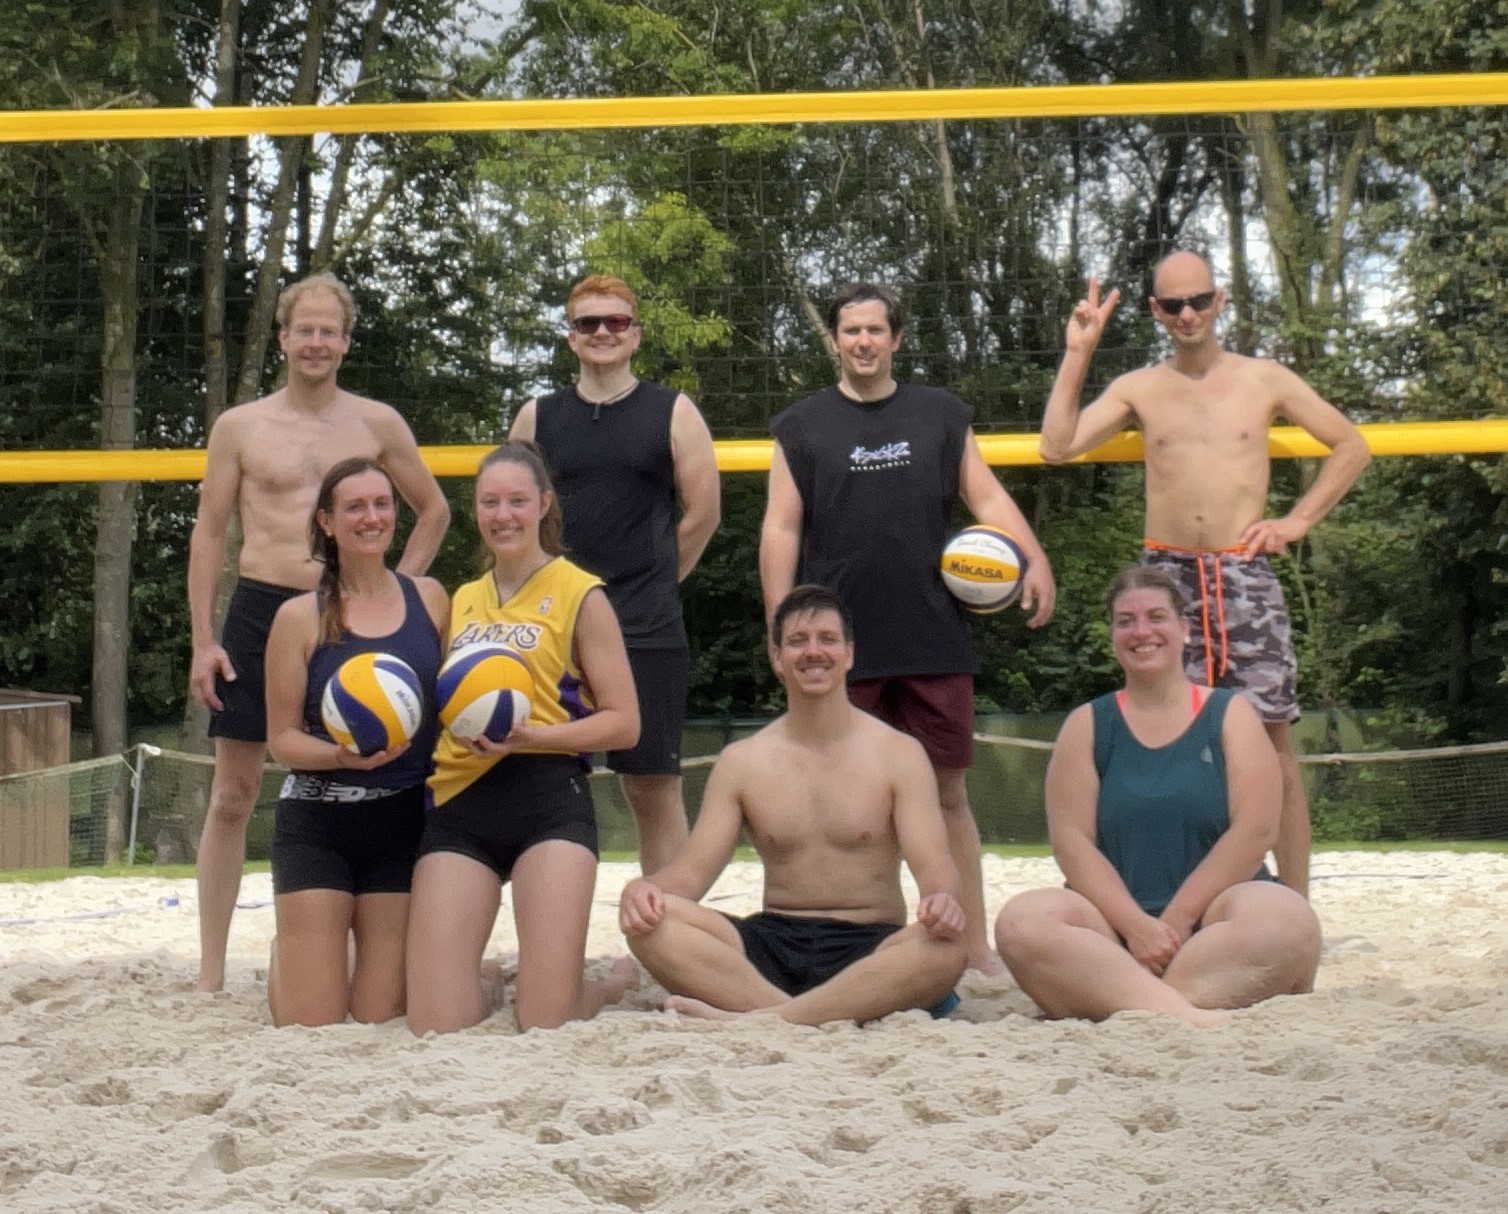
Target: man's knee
column 237, row 782
column 657, row 943
column 935, row 964
column 953, row 789
column 652, row 797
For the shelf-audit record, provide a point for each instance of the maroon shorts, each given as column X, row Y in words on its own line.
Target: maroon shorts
column 935, row 709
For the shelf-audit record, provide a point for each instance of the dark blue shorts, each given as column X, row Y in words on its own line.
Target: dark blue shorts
column 248, row 620
column 799, row 952
column 660, row 677
column 356, row 846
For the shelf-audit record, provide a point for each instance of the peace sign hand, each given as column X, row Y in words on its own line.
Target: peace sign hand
column 1088, row 319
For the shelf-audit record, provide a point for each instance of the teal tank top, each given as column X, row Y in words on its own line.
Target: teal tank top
column 1162, row 808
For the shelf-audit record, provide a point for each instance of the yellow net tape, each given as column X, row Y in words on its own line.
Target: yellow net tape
column 753, row 455
column 1057, row 101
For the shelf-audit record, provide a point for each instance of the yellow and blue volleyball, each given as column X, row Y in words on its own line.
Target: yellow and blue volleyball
column 484, row 690
column 372, row 702
column 982, row 567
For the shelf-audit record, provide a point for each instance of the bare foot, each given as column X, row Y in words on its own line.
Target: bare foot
column 988, row 964
column 1208, row 1018
column 684, row 1005
column 209, row 983
column 490, row 975
column 623, row 975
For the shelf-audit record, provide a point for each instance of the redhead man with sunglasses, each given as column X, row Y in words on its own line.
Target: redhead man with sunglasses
column 1204, row 414
column 634, row 466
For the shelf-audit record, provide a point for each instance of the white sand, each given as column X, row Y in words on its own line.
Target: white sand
column 1387, row 1090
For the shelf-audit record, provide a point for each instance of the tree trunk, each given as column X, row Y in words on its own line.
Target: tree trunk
column 116, row 527
column 290, row 152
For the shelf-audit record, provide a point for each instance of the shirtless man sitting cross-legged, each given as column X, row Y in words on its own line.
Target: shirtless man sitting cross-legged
column 833, row 800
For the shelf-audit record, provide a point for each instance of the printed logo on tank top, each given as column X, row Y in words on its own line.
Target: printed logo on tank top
column 891, row 455
column 515, row 636
column 544, row 605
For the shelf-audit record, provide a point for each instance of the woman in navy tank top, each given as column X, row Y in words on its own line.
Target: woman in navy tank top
column 347, row 829
column 1162, row 800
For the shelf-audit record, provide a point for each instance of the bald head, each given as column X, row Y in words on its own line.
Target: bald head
column 1182, row 273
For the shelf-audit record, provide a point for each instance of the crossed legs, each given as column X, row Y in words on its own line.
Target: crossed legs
column 696, row 954
column 1257, row 939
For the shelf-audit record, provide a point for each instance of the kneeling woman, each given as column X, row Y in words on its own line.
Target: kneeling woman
column 1162, row 800
column 347, row 829
column 521, row 810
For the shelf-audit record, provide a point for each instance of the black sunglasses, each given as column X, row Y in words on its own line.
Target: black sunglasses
column 1174, row 304
column 616, row 323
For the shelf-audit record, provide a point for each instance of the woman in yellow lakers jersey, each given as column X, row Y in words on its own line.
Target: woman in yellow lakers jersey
column 520, row 810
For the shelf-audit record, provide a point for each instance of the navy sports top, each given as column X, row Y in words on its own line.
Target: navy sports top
column 418, row 644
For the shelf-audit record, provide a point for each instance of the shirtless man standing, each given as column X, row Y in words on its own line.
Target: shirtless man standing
column 265, row 462
column 832, row 799
column 1204, row 414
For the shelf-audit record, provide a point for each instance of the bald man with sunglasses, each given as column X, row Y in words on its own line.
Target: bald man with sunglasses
column 635, row 469
column 1204, row 414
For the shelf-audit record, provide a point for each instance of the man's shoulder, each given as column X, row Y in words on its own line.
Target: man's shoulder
column 238, row 418
column 751, row 749
column 357, row 405
column 800, row 408
column 929, row 394
column 881, row 738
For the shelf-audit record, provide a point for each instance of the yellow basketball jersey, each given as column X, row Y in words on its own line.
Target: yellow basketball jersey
column 538, row 623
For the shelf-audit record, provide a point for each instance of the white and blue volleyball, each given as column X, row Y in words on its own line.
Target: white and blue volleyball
column 372, row 702
column 484, row 690
column 982, row 567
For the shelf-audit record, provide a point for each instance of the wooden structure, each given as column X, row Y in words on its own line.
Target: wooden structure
column 34, row 734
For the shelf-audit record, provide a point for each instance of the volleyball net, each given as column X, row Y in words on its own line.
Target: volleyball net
column 460, row 228
column 61, row 817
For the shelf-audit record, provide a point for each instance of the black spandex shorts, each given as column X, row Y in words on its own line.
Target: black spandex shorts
column 799, row 952
column 523, row 800
column 337, row 842
column 248, row 620
column 660, row 677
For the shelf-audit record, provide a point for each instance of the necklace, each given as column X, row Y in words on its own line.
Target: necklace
column 606, row 400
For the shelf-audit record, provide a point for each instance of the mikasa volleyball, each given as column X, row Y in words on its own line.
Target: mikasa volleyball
column 483, row 691
column 982, row 567
column 372, row 702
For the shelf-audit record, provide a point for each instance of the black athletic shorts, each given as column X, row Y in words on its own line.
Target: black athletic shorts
column 660, row 677
column 248, row 620
column 329, row 835
column 521, row 801
column 799, row 952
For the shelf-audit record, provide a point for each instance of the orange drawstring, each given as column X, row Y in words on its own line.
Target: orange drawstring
column 1214, row 555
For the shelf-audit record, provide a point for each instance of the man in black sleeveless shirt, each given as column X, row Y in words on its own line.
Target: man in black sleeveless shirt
column 862, row 483
column 628, row 457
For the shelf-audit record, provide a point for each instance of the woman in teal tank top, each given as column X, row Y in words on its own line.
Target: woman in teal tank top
column 1162, row 800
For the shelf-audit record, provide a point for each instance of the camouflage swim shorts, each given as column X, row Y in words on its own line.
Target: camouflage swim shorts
column 1239, row 632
